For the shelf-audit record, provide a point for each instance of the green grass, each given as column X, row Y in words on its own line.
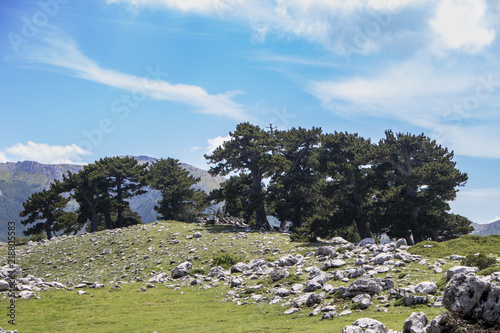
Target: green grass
column 166, row 310
column 468, row 244
column 148, row 249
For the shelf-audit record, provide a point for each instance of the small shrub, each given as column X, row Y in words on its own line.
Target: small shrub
column 400, row 302
column 225, row 260
column 489, row 270
column 341, row 249
column 200, row 271
column 480, row 261
column 441, row 284
column 402, row 275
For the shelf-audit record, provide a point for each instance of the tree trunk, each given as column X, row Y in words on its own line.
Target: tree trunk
column 48, row 230
column 260, row 210
column 93, row 221
column 363, row 229
column 418, row 237
column 409, row 240
column 119, row 207
column 107, row 219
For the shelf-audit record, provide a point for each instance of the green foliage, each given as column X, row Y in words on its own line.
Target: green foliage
column 489, row 270
column 199, row 271
column 294, row 187
column 44, row 211
column 179, row 200
column 225, row 260
column 480, row 261
column 235, row 193
column 441, row 284
column 250, row 151
column 420, row 178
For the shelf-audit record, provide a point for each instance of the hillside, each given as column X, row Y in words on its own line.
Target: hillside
column 162, row 277
column 18, row 181
column 492, row 228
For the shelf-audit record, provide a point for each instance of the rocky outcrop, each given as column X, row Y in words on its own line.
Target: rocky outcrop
column 473, row 297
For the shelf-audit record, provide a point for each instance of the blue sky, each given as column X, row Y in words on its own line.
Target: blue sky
column 81, row 80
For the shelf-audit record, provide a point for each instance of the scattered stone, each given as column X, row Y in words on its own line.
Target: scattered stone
column 236, row 282
column 426, row 288
column 335, row 263
column 366, row 241
column 291, row 311
column 240, row 268
column 278, row 274
column 416, row 323
column 460, row 269
column 182, row 270
column 367, row 325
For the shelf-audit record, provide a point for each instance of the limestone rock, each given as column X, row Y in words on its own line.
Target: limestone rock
column 401, row 242
column 382, row 257
column 26, row 294
column 239, row 268
column 333, row 263
column 369, row 286
column 182, row 270
column 367, row 325
column 460, row 269
column 474, row 297
column 416, row 323
column 217, row 272
column 291, row 311
column 366, row 241
column 426, row 288
column 278, row 274
column 4, row 285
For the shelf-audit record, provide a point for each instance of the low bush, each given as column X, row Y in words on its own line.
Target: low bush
column 489, row 270
column 480, row 261
column 225, row 260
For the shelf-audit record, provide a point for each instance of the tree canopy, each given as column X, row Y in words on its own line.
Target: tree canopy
column 332, row 184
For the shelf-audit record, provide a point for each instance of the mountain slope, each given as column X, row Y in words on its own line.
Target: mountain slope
column 19, row 180
column 492, row 228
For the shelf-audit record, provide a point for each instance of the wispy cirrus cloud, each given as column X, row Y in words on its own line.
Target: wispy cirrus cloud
column 44, row 153
column 59, row 51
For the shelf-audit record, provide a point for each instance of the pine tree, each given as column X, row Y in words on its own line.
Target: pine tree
column 249, row 151
column 293, row 190
column 179, row 201
column 346, row 161
column 45, row 210
column 421, row 179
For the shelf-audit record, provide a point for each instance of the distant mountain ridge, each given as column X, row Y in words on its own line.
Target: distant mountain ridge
column 19, row 180
column 492, row 228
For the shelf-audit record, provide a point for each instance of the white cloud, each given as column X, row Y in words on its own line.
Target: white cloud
column 199, row 6
column 463, row 24
column 362, row 25
column 216, row 142
column 44, row 153
column 392, row 91
column 475, row 141
column 193, row 149
column 60, row 51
